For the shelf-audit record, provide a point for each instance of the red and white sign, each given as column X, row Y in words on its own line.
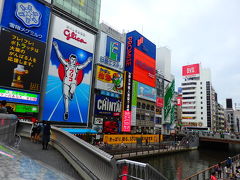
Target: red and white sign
column 179, row 101
column 71, row 34
column 190, row 70
column 159, row 102
column 126, row 121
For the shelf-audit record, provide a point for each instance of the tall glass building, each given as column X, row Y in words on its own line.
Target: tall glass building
column 86, row 10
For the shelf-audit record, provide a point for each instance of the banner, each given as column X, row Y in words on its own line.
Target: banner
column 21, row 61
column 68, row 87
column 109, row 80
column 131, row 138
column 127, row 102
column 29, row 17
column 107, row 106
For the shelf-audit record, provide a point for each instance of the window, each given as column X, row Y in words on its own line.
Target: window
column 138, row 116
column 152, row 108
column 143, row 105
column 138, row 105
column 148, row 107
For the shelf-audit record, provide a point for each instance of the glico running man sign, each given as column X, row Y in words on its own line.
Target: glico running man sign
column 68, row 87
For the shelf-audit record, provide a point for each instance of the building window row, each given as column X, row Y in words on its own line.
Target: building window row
column 190, row 83
column 189, row 97
column 186, row 93
column 188, row 88
column 145, row 106
column 188, row 112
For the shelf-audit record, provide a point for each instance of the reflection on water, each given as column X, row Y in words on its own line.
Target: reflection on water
column 178, row 166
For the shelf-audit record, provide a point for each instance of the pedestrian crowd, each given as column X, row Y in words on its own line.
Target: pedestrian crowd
column 40, row 133
column 226, row 171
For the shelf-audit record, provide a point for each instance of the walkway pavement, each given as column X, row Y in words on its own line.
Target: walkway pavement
column 50, row 157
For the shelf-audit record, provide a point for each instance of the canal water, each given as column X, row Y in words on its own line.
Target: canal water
column 178, row 166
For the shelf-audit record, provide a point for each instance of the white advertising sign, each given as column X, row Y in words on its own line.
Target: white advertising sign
column 111, row 52
column 72, row 34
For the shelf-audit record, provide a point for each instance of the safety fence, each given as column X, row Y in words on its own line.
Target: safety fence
column 131, row 170
column 8, row 124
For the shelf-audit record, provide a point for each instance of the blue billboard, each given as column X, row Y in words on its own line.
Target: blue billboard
column 67, row 94
column 29, row 17
column 109, row 106
column 113, row 49
column 136, row 40
column 146, row 92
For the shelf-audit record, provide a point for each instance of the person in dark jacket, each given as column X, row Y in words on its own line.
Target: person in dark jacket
column 46, row 135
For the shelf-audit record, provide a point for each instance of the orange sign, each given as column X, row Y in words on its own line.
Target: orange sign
column 144, row 68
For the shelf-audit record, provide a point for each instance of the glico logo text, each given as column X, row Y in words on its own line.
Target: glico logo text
column 73, row 35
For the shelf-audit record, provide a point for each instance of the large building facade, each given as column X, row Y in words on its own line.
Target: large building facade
column 197, row 98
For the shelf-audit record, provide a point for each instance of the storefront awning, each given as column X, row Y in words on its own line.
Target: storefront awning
column 79, row 131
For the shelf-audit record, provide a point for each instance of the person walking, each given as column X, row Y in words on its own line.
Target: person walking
column 33, row 131
column 46, row 135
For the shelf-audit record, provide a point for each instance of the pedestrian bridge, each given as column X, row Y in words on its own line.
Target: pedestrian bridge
column 73, row 155
column 219, row 137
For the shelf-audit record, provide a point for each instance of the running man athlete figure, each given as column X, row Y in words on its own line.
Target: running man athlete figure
column 69, row 80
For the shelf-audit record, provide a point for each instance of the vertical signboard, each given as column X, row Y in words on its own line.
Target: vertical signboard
column 69, row 76
column 168, row 100
column 29, row 17
column 21, row 61
column 110, row 52
column 127, row 102
column 159, row 102
column 179, row 101
column 134, row 102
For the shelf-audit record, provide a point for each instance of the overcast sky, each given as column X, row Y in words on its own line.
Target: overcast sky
column 196, row 31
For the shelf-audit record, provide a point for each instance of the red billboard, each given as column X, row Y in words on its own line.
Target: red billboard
column 144, row 68
column 190, row 70
column 159, row 102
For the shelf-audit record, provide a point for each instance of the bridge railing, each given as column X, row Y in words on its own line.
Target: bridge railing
column 89, row 161
column 8, row 124
column 136, row 170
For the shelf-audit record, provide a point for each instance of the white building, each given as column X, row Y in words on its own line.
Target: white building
column 197, row 97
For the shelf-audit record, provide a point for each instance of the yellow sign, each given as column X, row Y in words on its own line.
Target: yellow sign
column 108, row 79
column 131, row 138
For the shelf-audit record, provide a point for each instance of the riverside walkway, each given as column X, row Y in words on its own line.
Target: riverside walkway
column 18, row 166
column 50, row 157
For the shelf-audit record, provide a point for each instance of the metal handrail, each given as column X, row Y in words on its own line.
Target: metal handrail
column 137, row 170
